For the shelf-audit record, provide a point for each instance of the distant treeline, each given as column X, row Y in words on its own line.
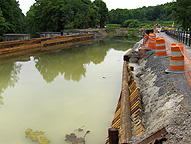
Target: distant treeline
column 57, row 15
column 132, row 17
column 51, row 15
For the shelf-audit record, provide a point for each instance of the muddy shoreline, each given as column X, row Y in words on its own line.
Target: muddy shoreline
column 166, row 99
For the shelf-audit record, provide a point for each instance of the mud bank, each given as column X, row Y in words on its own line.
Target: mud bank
column 166, row 99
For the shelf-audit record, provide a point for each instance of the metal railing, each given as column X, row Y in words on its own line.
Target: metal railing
column 181, row 36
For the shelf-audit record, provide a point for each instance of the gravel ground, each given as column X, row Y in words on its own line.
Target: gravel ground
column 166, row 99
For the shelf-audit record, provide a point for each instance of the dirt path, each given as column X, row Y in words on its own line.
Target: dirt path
column 166, row 99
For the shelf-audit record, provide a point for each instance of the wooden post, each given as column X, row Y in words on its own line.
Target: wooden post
column 178, row 35
column 125, row 121
column 189, row 38
column 175, row 35
column 113, row 136
column 181, row 37
column 186, row 37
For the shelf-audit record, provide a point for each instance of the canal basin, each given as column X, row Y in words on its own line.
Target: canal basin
column 62, row 91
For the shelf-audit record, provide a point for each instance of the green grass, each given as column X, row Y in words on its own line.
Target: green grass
column 113, row 26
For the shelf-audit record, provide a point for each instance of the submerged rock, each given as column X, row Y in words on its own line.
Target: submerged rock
column 80, row 129
column 73, row 139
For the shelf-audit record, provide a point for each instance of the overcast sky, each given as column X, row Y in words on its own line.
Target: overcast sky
column 111, row 4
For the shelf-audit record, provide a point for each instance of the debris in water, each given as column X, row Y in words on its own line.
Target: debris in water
column 37, row 136
column 72, row 138
column 86, row 133
column 79, row 129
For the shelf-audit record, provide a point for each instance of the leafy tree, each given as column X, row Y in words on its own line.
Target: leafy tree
column 103, row 11
column 56, row 15
column 138, row 14
column 12, row 15
column 79, row 14
column 182, row 10
column 134, row 24
column 119, row 16
column 31, row 22
column 131, row 23
column 151, row 13
column 3, row 25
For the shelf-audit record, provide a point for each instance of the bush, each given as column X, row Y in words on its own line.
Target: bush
column 131, row 23
column 69, row 26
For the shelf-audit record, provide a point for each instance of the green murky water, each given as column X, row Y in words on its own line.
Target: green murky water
column 70, row 91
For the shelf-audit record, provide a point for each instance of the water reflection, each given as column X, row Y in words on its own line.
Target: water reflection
column 119, row 43
column 61, row 107
column 72, row 62
column 8, row 77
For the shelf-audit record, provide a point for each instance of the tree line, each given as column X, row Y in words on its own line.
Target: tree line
column 57, row 15
column 133, row 17
column 51, row 15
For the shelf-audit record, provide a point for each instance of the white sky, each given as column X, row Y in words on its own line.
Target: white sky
column 111, row 4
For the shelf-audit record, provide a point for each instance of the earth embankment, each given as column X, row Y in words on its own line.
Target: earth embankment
column 166, row 99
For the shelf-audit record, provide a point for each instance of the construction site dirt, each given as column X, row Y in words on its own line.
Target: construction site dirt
column 166, row 99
